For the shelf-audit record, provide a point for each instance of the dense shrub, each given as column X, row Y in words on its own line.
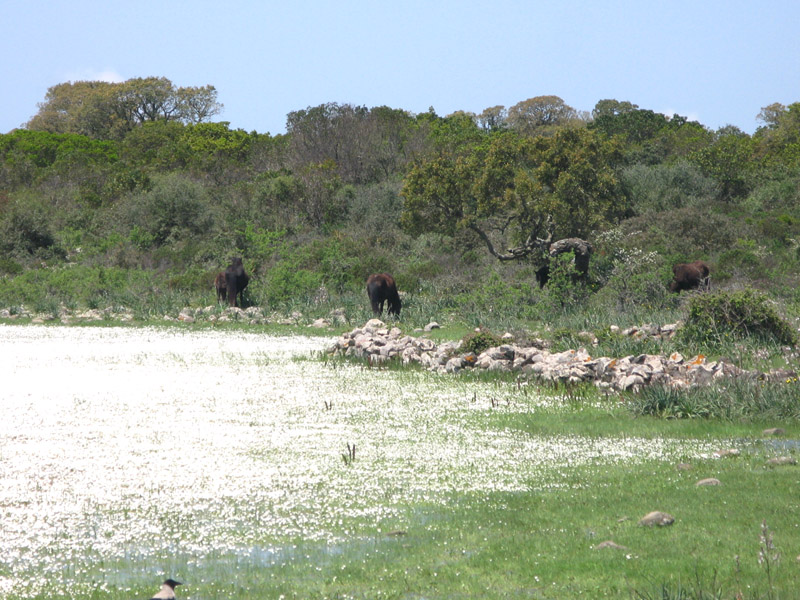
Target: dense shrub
column 26, row 232
column 654, row 188
column 496, row 295
column 480, row 340
column 686, row 232
column 744, row 312
column 286, row 284
column 173, row 209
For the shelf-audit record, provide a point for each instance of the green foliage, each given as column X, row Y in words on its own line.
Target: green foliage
column 743, row 259
column 565, row 287
column 9, row 267
column 630, row 277
column 77, row 285
column 259, row 244
column 350, row 190
column 686, row 232
column 26, row 233
column 480, row 340
column 656, row 188
column 284, row 283
column 174, row 208
column 728, row 161
column 737, row 400
column 28, row 156
column 495, row 297
column 542, row 115
column 740, row 313
column 518, row 187
column 109, row 110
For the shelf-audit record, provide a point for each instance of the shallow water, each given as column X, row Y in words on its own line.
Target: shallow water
column 129, row 445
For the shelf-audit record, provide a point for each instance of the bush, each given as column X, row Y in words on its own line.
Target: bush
column 655, row 188
column 26, row 231
column 175, row 208
column 739, row 313
column 286, row 284
column 496, row 297
column 479, row 341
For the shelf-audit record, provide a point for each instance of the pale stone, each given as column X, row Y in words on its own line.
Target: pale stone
column 773, row 431
column 657, row 517
column 610, row 544
column 782, row 460
column 709, row 481
column 726, row 453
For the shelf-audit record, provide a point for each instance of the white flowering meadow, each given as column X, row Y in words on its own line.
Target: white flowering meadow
column 137, row 446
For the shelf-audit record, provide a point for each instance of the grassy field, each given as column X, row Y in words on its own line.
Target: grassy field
column 238, row 463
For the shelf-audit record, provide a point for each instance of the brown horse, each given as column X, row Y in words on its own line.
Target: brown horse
column 689, row 276
column 221, row 285
column 235, row 281
column 381, row 288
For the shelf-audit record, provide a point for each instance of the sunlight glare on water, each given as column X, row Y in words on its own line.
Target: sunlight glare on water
column 119, row 442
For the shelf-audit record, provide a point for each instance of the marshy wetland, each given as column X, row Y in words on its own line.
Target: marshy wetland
column 247, row 466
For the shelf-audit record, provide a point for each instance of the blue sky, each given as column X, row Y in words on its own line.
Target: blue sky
column 718, row 62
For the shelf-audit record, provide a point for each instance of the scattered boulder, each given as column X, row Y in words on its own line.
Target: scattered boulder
column 708, row 481
column 661, row 519
column 727, row 453
column 781, row 460
column 609, row 544
column 397, row 533
column 628, row 373
column 773, row 431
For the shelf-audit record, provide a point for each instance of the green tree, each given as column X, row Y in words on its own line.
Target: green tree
column 174, row 208
column 541, row 115
column 518, row 190
column 728, row 161
column 624, row 119
column 493, row 118
column 26, row 157
column 109, row 110
column 611, row 108
column 362, row 144
column 780, row 135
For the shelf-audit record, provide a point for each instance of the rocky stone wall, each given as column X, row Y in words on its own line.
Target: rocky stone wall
column 378, row 343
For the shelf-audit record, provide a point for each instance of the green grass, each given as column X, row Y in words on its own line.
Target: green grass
column 534, row 543
column 537, row 543
column 540, row 543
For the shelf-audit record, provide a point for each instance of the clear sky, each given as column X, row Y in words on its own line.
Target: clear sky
column 716, row 61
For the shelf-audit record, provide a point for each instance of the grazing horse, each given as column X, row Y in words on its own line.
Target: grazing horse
column 689, row 276
column 381, row 288
column 235, row 281
column 221, row 285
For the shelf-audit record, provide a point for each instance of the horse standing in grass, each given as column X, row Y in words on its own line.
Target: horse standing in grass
column 689, row 276
column 235, row 281
column 382, row 288
column 221, row 285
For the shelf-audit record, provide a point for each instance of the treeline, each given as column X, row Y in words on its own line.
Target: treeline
column 133, row 182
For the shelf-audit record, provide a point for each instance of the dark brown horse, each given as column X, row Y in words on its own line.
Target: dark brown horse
column 221, row 285
column 689, row 276
column 381, row 288
column 235, row 281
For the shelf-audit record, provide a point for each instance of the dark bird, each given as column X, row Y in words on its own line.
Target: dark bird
column 167, row 591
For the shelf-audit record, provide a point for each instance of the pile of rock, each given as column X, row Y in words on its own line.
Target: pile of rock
column 378, row 343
